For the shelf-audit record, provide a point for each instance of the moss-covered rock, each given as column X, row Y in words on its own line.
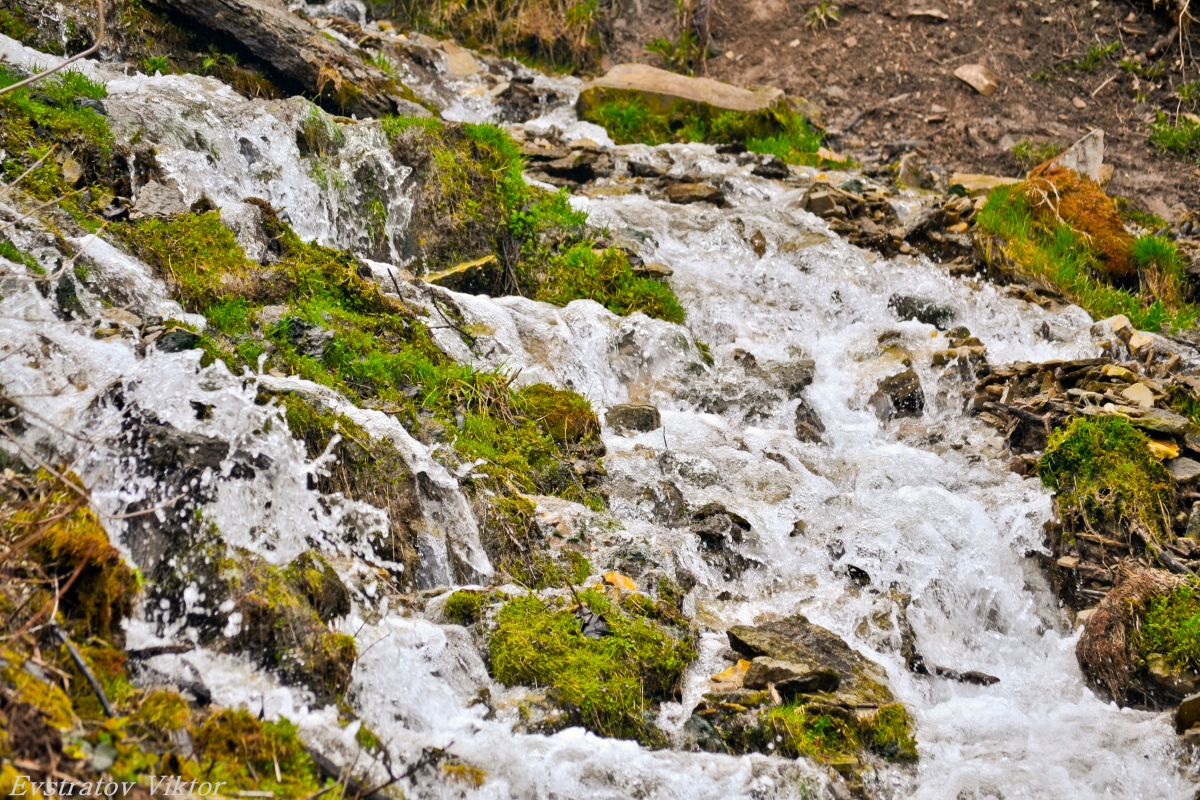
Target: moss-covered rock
column 606, row 665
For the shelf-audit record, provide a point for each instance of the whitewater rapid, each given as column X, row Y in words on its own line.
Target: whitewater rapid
column 926, row 507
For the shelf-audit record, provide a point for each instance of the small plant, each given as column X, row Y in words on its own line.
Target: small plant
column 1030, row 154
column 1042, row 76
column 156, row 64
column 215, row 59
column 820, row 15
column 1181, row 137
column 1135, row 67
column 385, row 64
column 688, row 52
column 1188, row 93
column 1095, row 56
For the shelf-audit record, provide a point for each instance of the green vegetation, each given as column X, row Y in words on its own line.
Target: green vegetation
column 13, row 253
column 778, row 130
column 609, row 684
column 688, row 52
column 1181, row 137
column 464, row 607
column 48, row 535
column 799, row 729
column 475, row 203
column 559, row 35
column 1104, row 476
column 1066, row 250
column 1096, row 55
column 1030, row 154
column 820, row 15
column 35, row 118
column 1171, row 627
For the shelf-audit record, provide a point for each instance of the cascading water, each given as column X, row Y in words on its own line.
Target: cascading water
column 923, row 508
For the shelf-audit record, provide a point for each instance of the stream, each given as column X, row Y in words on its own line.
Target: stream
column 923, row 509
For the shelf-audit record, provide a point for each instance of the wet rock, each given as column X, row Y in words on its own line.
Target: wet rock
column 808, row 424
column 1193, row 523
column 898, row 396
column 771, row 166
column 789, row 678
column 821, row 203
column 758, row 243
column 798, row 641
column 921, row 309
column 1188, row 713
column 633, row 417
column 798, row 528
column 720, row 531
column 156, row 200
column 1175, row 681
column 666, row 503
column 687, row 193
column 309, row 339
column 699, row 734
column 177, row 340
column 794, row 377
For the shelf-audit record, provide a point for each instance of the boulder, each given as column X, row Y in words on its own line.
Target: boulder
column 1188, row 713
column 898, row 396
column 665, row 91
column 799, row 642
column 793, row 377
column 298, row 50
column 246, row 222
column 637, row 417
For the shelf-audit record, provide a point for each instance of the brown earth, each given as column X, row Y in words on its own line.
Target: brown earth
column 884, row 78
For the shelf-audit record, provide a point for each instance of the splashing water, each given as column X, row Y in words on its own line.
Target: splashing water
column 923, row 506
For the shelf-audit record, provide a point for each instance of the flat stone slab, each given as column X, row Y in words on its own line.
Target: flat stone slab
column 669, row 85
column 1183, row 470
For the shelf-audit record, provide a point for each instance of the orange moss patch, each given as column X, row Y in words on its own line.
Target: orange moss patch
column 1057, row 194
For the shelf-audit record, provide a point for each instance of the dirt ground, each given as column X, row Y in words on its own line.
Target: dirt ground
column 884, row 78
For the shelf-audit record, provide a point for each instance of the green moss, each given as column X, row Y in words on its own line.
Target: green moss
column 367, row 738
column 199, row 257
column 464, row 607
column 162, row 712
column 257, row 756
column 629, row 119
column 48, row 697
column 611, row 684
column 1055, row 252
column 888, row 732
column 34, row 118
column 17, row 256
column 797, row 730
column 1104, row 476
column 1171, row 628
column 319, row 135
column 606, row 277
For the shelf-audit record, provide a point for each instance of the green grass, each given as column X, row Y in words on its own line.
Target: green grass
column 778, row 131
column 1030, row 154
column 1104, row 476
column 1171, row 628
column 1181, row 137
column 34, row 118
column 1096, row 55
column 1062, row 256
column 610, row 685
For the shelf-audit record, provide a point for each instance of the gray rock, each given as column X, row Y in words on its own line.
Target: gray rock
column 245, row 220
column 627, row 417
column 157, row 200
column 789, row 677
column 799, row 641
column 1183, row 470
column 1085, row 157
column 898, row 396
column 1193, row 525
column 309, row 339
column 793, row 378
column 922, row 310
column 808, row 425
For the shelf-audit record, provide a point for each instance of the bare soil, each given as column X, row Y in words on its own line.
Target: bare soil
column 884, row 78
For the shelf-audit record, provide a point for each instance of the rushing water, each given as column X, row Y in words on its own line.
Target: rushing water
column 924, row 506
